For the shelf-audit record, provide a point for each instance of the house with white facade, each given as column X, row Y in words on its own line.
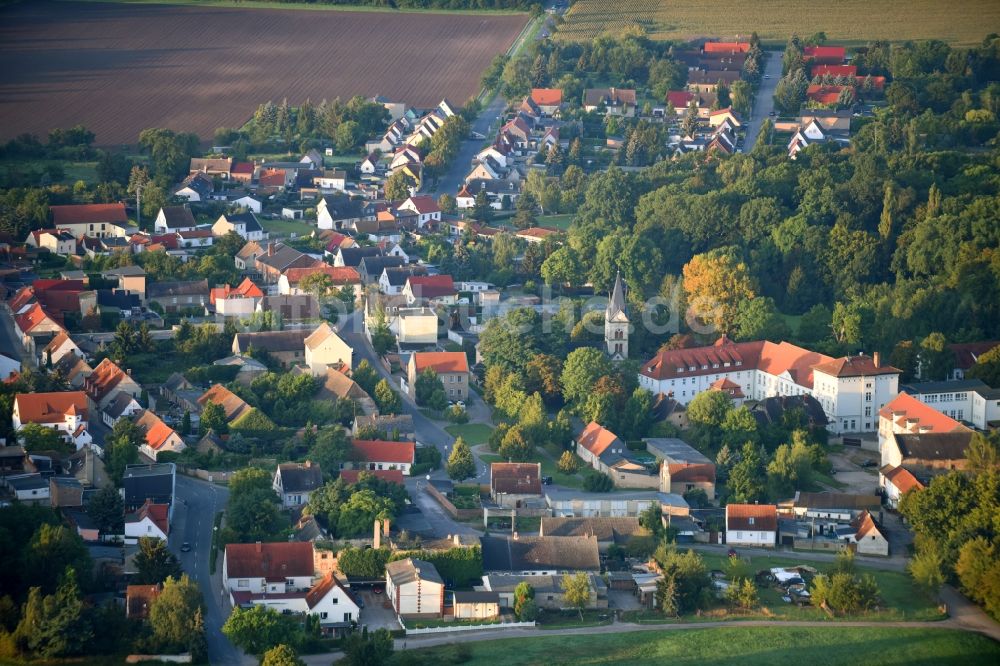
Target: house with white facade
column 65, row 412
column 324, row 349
column 174, row 219
column 245, row 225
column 295, row 482
column 851, row 389
column 753, row 525
column 904, row 414
column 58, row 347
column 427, row 209
column 966, row 400
column 414, row 588
column 328, row 601
column 150, row 521
column 277, row 567
column 376, row 454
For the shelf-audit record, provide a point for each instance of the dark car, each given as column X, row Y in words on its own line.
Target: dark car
column 869, row 463
column 185, row 547
column 732, row 553
column 546, row 480
column 772, row 114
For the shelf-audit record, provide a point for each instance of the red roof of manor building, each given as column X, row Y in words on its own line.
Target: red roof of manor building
column 596, row 438
column 431, row 286
column 390, row 475
column 441, row 361
column 752, row 517
column 914, row 416
column 272, row 561
column 728, row 356
column 378, row 450
column 88, row 213
column 50, row 407
column 856, row 366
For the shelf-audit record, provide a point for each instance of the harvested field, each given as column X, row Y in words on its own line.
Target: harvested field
column 961, row 22
column 120, row 68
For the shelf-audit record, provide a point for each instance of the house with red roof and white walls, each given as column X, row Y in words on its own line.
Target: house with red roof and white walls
column 149, row 521
column 452, row 368
column 378, row 454
column 66, row 412
column 851, row 389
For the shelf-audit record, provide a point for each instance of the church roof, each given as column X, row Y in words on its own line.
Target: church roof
column 616, row 306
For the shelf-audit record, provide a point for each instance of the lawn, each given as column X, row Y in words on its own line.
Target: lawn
column 964, row 22
column 473, row 433
column 74, row 171
column 903, row 600
column 288, row 227
column 766, row 646
column 557, row 221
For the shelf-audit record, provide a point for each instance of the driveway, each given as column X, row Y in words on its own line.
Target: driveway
column 194, row 516
column 764, row 100
column 377, row 613
column 857, row 479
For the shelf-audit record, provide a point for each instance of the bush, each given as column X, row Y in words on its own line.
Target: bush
column 598, row 483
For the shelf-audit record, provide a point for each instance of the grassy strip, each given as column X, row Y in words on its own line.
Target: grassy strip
column 307, row 6
column 216, row 529
column 473, row 433
column 747, row 646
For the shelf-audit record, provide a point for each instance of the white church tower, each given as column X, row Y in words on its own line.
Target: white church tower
column 616, row 323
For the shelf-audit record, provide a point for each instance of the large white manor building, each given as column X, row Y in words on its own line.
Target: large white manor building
column 851, row 389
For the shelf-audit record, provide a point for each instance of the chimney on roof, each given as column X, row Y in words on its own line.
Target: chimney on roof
column 258, row 547
column 876, row 359
column 377, row 538
column 270, row 249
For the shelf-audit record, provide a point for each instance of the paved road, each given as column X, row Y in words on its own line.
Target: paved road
column 194, row 515
column 486, row 124
column 764, row 100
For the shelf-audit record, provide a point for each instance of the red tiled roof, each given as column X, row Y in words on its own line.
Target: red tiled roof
column 246, row 289
column 855, row 366
column 233, row 405
column 378, row 450
column 441, row 361
column 390, row 475
column 339, row 275
column 536, row 232
column 824, row 94
column 272, row 178
column 25, row 295
column 546, row 96
column 335, row 240
column 878, row 82
column 824, row 52
column 691, row 473
column 835, row 70
column 727, row 47
column 965, row 353
column 752, row 517
column 730, row 357
column 88, row 213
column 596, row 438
column 105, row 377
column 517, row 478
column 139, row 599
column 727, row 385
column 425, row 204
column 320, row 590
column 271, row 561
column 914, row 416
column 50, row 407
column 431, row 286
column 157, row 432
column 242, row 168
column 865, row 525
column 36, row 315
column 157, row 513
column 901, row 478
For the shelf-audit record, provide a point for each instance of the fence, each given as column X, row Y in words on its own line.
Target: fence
column 217, row 476
column 465, row 627
column 453, row 511
column 170, row 658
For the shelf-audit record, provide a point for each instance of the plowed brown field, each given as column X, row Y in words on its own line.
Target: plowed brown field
column 120, row 68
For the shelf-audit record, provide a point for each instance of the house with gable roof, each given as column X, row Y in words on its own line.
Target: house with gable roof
column 174, row 219
column 295, row 482
column 437, row 289
column 452, row 368
column 513, row 483
column 239, row 301
column 616, row 101
column 426, row 208
column 324, row 349
column 149, row 521
column 274, row 568
column 93, row 220
column 65, row 412
column 104, row 384
column 159, row 437
column 61, row 345
column 606, row 452
column 753, row 525
column 548, row 100
column 327, row 600
column 414, row 588
column 377, row 454
column 245, row 225
column 907, row 415
column 896, row 481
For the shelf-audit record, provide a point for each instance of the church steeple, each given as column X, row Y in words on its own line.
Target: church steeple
column 616, row 324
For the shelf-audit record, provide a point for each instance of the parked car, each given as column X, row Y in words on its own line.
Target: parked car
column 546, row 480
column 185, row 547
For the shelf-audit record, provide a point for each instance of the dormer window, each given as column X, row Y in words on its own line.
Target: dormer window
column 750, row 520
column 692, row 368
column 739, row 362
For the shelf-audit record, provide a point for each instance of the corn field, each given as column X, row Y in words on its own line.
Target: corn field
column 959, row 22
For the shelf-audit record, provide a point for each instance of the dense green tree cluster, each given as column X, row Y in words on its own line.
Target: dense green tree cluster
column 350, row 510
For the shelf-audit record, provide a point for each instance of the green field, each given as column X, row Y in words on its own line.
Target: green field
column 288, row 227
column 557, row 221
column 767, row 646
column 473, row 433
column 963, row 22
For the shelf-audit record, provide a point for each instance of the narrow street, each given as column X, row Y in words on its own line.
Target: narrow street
column 764, row 100
column 194, row 516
